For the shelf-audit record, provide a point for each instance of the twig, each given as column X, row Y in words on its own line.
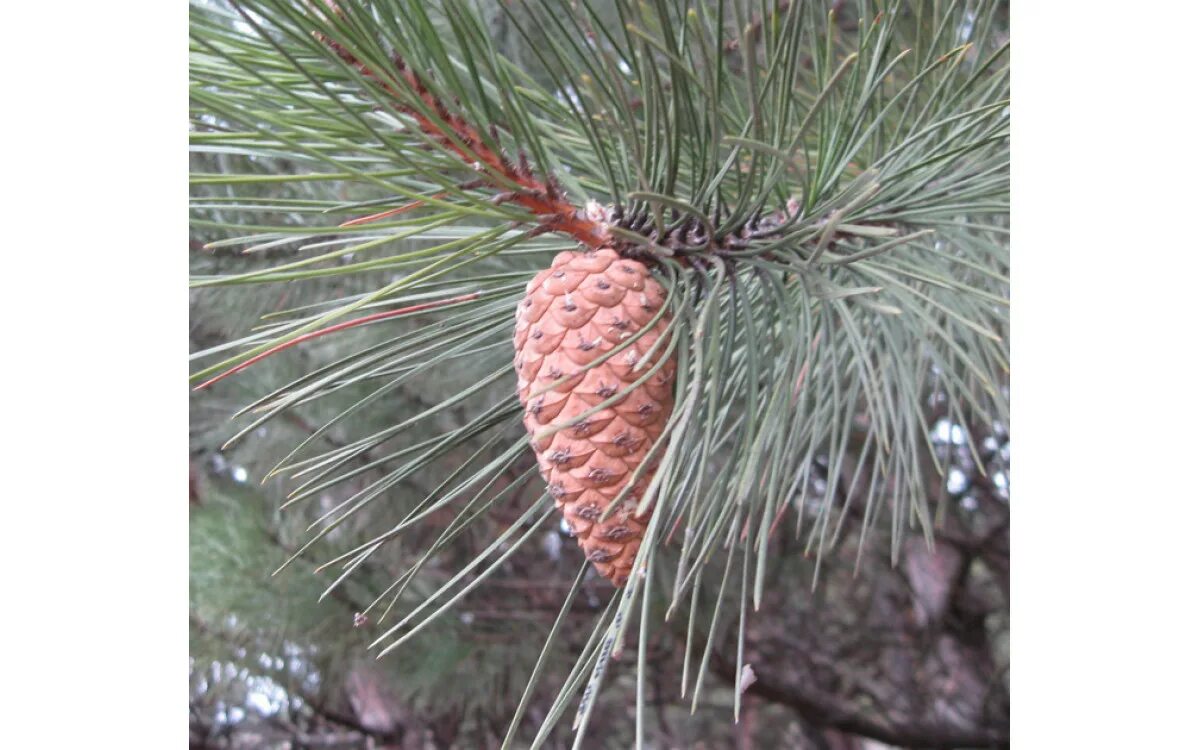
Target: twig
column 543, row 199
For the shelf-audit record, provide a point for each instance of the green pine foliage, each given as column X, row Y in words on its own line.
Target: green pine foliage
column 822, row 192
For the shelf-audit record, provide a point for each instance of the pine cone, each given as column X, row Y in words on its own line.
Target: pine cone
column 576, row 311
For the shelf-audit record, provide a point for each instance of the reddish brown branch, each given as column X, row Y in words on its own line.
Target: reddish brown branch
column 453, row 133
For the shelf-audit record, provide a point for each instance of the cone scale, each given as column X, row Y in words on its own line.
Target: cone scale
column 574, row 313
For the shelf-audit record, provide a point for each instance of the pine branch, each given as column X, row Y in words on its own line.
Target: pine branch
column 825, row 711
column 514, row 183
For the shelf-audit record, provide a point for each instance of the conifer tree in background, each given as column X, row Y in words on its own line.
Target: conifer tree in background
column 753, row 259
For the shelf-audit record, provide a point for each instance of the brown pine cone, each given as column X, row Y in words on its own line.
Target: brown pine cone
column 579, row 309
